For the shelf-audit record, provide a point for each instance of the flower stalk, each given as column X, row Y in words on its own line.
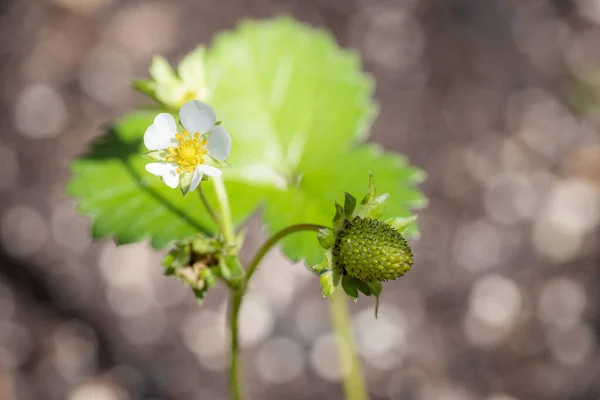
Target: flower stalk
column 353, row 379
column 236, row 302
column 226, row 221
column 235, row 383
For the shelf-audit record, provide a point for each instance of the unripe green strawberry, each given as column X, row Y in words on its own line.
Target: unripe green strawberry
column 371, row 250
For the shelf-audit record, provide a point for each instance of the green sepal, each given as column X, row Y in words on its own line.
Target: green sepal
column 219, row 164
column 371, row 191
column 377, row 207
column 218, row 123
column 376, row 288
column 363, row 287
column 178, row 257
column 156, row 155
column 349, row 286
column 326, row 237
column 323, row 265
column 185, row 180
column 144, row 86
column 233, row 266
column 200, row 294
column 209, row 280
column 238, row 242
column 338, row 220
column 223, row 270
column 169, row 271
column 203, row 245
column 337, row 277
column 349, row 205
column 208, row 277
column 401, row 223
column 327, row 283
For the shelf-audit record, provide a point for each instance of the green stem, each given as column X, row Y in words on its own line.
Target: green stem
column 237, row 293
column 209, row 209
column 226, row 221
column 273, row 240
column 236, row 302
column 354, row 383
column 235, row 386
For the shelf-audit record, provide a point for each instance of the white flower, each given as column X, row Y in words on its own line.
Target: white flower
column 183, row 155
column 188, row 83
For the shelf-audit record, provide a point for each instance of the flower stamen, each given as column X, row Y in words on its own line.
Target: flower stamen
column 188, row 154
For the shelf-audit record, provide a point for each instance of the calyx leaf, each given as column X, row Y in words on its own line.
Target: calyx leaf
column 349, row 204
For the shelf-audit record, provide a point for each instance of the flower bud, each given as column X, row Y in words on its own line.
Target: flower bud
column 198, row 262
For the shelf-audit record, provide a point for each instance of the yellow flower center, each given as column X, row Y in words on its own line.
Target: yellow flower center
column 189, row 153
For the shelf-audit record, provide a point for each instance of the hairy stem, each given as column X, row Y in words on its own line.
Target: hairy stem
column 354, row 383
column 226, row 221
column 236, row 303
column 273, row 240
column 235, row 386
column 209, row 209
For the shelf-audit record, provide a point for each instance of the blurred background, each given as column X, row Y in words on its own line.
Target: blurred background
column 497, row 100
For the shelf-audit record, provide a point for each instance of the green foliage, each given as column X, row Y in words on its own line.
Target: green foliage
column 297, row 108
column 291, row 98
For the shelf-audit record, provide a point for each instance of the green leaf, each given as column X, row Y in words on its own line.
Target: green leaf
column 131, row 205
column 289, row 97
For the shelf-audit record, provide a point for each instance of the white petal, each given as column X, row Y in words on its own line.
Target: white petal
column 157, row 168
column 218, row 143
column 197, row 117
column 167, row 171
column 208, row 170
column 161, row 134
column 196, row 178
column 171, row 179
